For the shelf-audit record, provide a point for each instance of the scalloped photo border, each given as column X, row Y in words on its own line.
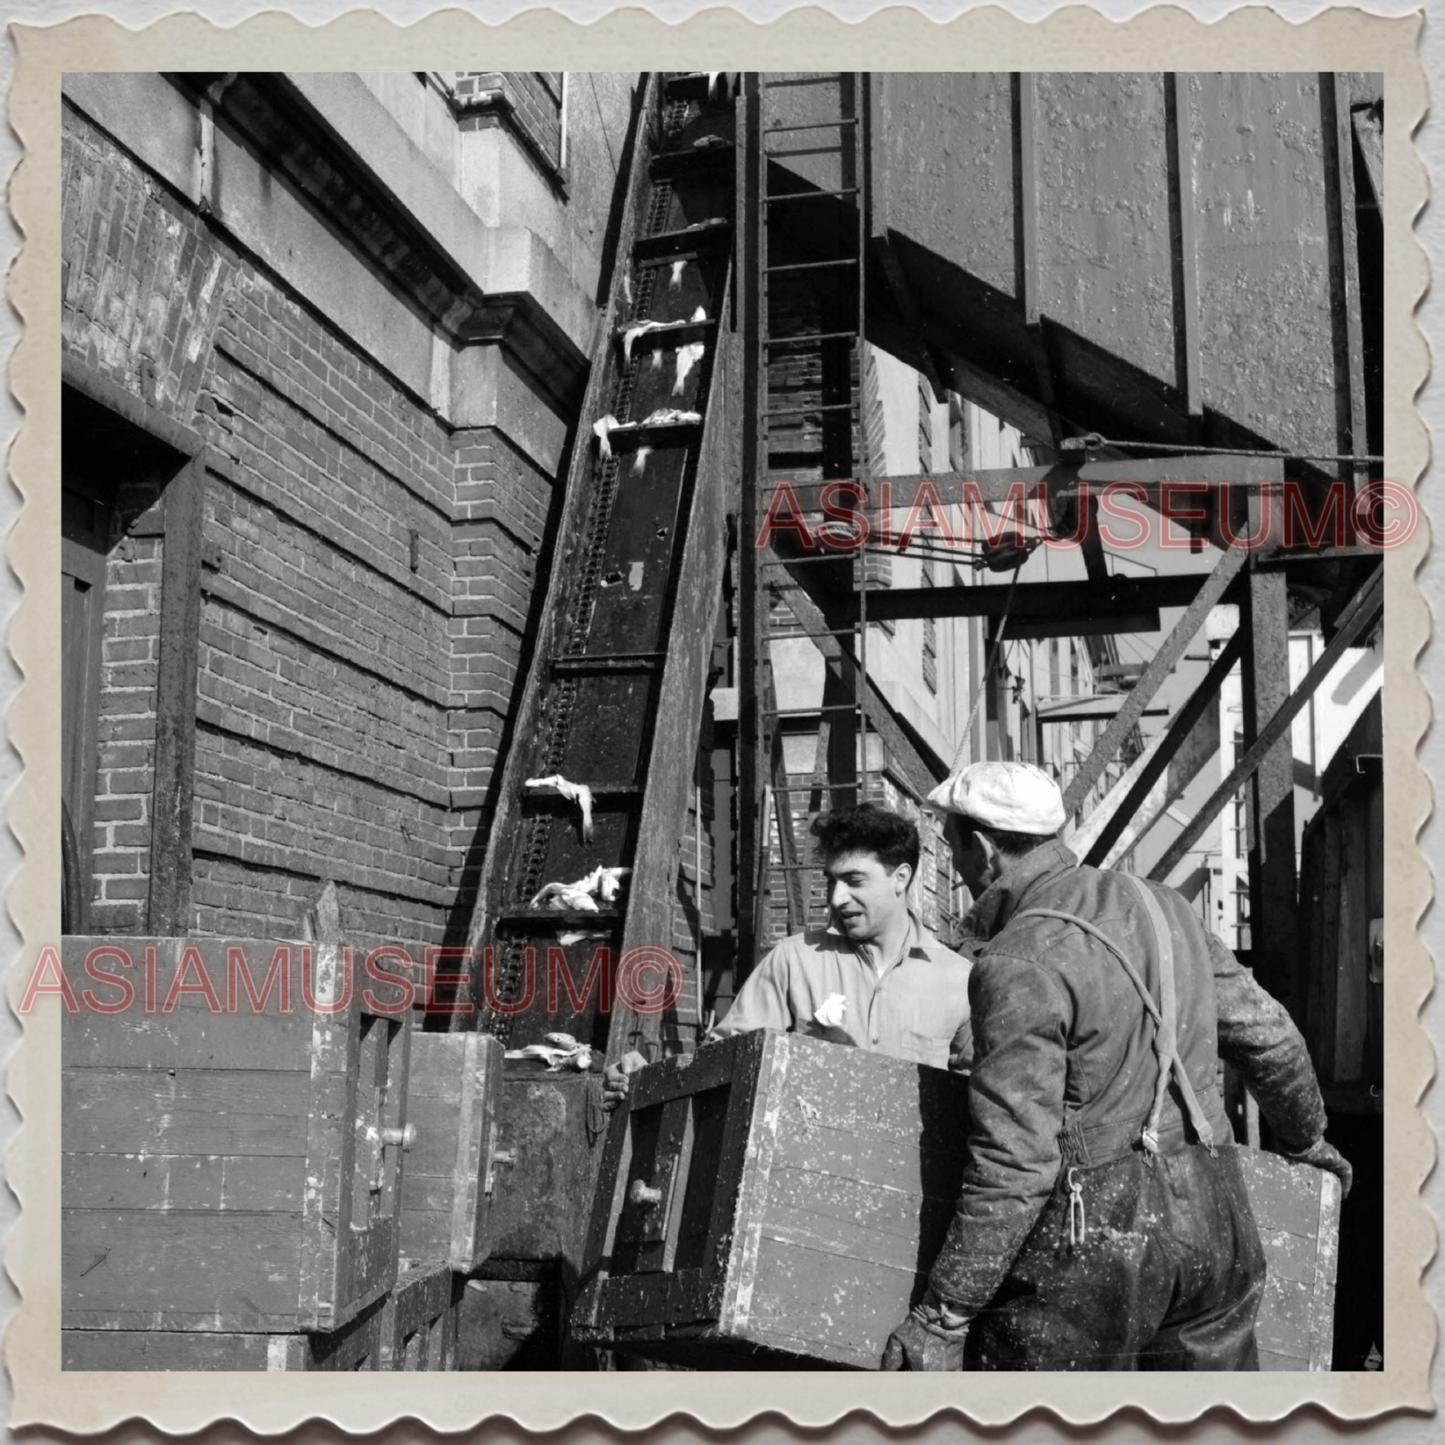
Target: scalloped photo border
column 1078, row 38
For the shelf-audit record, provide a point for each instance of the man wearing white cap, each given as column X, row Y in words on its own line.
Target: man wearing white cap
column 1101, row 1225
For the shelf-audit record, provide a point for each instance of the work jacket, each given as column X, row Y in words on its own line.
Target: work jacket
column 1065, row 1067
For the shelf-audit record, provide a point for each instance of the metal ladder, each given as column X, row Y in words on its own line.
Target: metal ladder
column 808, row 166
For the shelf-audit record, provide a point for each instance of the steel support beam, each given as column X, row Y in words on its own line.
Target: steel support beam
column 1001, row 484
column 1044, row 602
column 1225, row 570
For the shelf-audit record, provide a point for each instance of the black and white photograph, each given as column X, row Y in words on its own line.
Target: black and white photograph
column 724, row 721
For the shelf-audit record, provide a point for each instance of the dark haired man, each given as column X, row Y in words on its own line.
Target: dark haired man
column 874, row 978
column 1101, row 1225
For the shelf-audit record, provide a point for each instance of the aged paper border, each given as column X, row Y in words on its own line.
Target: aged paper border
column 1074, row 39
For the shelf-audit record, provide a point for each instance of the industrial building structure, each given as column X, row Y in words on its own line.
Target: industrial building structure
column 428, row 437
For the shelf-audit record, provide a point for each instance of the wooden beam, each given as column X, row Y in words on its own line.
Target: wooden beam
column 168, row 910
column 752, row 596
column 1187, row 261
column 1273, row 876
column 1225, row 570
column 1361, row 614
column 1085, row 625
column 1349, row 343
column 672, row 758
column 1028, row 198
column 1090, row 709
column 1118, row 596
column 1178, row 730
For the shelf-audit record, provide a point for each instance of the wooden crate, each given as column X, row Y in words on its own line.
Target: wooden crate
column 771, row 1193
column 419, row 1321
column 446, row 1194
column 356, row 1346
column 776, row 1198
column 234, row 1171
column 1297, row 1209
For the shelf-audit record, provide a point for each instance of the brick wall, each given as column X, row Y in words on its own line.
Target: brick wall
column 126, row 728
column 366, row 583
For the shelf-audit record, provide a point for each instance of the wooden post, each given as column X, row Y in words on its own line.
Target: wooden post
column 752, row 599
column 169, row 906
column 1273, row 880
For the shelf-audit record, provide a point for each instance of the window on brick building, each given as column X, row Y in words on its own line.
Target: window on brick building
column 116, row 677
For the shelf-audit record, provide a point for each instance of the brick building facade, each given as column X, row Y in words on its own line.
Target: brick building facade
column 320, row 385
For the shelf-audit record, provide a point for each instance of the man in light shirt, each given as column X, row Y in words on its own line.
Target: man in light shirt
column 875, row 978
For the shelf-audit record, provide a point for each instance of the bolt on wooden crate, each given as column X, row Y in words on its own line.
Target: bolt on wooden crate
column 231, row 1147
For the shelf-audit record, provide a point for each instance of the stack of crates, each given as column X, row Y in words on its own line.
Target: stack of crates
column 235, row 1121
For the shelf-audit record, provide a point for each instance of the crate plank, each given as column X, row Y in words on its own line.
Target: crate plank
column 189, row 1181
column 190, row 1036
column 173, row 1269
column 185, row 1111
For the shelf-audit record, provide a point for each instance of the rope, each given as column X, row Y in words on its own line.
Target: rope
column 1091, row 441
column 1008, row 603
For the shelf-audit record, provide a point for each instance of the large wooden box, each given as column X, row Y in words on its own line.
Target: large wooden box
column 776, row 1197
column 226, row 1167
column 446, row 1192
column 774, row 1192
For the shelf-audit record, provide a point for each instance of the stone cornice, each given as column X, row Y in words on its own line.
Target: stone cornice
column 334, row 142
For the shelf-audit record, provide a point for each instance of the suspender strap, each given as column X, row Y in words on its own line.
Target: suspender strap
column 1165, row 1013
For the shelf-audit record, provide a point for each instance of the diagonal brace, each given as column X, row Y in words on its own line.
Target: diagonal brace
column 1368, row 603
column 1179, row 729
column 1215, row 585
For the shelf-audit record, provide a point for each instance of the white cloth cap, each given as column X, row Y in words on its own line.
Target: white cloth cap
column 1012, row 797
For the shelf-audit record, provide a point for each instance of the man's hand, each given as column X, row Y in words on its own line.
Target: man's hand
column 929, row 1339
column 615, row 1081
column 1326, row 1156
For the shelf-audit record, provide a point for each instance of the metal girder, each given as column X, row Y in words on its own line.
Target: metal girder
column 1369, row 601
column 998, row 484
column 1178, row 730
column 1090, row 709
column 1225, row 570
column 1115, row 597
